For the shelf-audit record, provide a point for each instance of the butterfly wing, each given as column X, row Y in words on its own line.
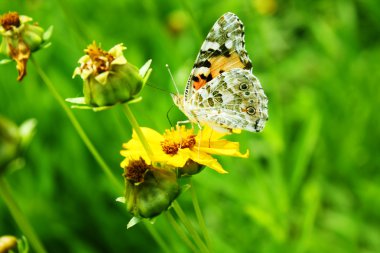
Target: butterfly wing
column 232, row 100
column 222, row 51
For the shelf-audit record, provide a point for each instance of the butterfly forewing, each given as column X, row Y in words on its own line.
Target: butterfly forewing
column 222, row 51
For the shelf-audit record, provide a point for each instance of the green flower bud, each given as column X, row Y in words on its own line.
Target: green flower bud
column 12, row 140
column 108, row 78
column 149, row 190
column 20, row 39
column 7, row 243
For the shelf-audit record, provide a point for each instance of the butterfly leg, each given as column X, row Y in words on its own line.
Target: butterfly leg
column 200, row 138
column 182, row 122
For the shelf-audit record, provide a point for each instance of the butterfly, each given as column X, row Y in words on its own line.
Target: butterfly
column 221, row 91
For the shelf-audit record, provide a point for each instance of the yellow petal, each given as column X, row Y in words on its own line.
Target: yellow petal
column 225, row 152
column 208, row 134
column 149, row 134
column 24, row 19
column 132, row 144
column 179, row 159
column 84, row 59
column 117, row 50
column 77, row 71
column 134, row 155
column 222, row 147
column 85, row 73
column 205, row 159
column 120, row 60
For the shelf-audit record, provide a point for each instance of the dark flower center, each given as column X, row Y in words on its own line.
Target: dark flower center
column 136, row 170
column 9, row 20
column 171, row 147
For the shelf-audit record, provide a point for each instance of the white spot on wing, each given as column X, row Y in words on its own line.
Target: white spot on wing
column 229, row 44
column 210, row 45
column 201, row 70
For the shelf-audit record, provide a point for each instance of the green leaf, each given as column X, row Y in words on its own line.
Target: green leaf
column 135, row 100
column 47, row 34
column 133, row 221
column 144, row 70
column 27, row 131
column 78, row 100
column 121, row 199
column 5, row 61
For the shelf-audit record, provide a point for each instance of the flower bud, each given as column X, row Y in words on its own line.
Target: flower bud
column 7, row 243
column 12, row 140
column 108, row 78
column 149, row 190
column 20, row 39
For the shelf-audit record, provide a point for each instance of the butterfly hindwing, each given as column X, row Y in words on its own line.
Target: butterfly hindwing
column 222, row 51
column 234, row 99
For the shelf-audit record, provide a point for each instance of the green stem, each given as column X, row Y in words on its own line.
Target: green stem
column 106, row 169
column 180, row 231
column 199, row 215
column 19, row 217
column 132, row 120
column 137, row 129
column 156, row 236
column 186, row 222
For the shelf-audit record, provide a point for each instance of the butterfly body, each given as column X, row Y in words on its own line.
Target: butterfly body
column 221, row 91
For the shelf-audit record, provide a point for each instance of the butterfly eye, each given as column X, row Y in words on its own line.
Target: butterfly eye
column 243, row 86
column 251, row 110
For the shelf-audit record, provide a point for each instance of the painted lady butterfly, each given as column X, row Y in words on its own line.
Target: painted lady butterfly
column 221, row 91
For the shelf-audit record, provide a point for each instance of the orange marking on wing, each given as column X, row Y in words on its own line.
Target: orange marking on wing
column 199, row 84
column 223, row 63
column 219, row 64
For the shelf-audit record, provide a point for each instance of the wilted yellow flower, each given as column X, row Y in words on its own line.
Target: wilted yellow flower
column 20, row 39
column 179, row 146
column 108, row 78
column 99, row 63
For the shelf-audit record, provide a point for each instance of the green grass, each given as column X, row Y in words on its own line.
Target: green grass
column 311, row 183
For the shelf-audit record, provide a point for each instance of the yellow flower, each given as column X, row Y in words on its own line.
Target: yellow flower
column 178, row 146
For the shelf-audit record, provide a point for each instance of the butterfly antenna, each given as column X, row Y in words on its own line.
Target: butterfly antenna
column 156, row 87
column 171, row 76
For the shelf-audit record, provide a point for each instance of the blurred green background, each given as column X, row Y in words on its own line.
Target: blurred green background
column 311, row 183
